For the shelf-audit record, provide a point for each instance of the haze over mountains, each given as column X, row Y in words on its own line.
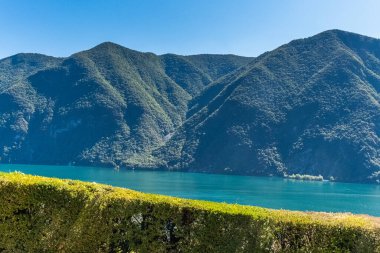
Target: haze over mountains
column 309, row 107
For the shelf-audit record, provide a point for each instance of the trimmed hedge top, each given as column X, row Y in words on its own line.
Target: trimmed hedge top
column 39, row 214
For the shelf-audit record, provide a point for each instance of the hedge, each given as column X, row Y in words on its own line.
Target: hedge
column 39, row 214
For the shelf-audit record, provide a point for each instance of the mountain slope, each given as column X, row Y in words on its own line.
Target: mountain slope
column 195, row 72
column 308, row 107
column 106, row 106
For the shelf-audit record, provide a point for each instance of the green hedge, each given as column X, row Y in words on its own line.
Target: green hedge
column 40, row 214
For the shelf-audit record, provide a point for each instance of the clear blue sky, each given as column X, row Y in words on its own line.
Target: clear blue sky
column 244, row 27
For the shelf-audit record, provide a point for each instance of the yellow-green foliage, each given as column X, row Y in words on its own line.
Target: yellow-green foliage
column 40, row 214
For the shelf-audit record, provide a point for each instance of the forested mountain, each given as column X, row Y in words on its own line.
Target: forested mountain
column 107, row 106
column 309, row 107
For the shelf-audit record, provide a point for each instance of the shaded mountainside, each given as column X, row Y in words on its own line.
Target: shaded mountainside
column 106, row 106
column 309, row 107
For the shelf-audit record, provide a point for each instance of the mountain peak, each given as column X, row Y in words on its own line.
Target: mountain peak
column 108, row 45
column 336, row 31
column 344, row 35
column 310, row 107
column 114, row 48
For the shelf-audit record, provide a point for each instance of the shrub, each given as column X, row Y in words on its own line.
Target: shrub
column 39, row 214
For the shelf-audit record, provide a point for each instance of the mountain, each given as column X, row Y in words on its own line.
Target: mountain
column 194, row 72
column 106, row 106
column 310, row 107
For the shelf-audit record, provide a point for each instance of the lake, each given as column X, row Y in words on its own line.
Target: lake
column 269, row 192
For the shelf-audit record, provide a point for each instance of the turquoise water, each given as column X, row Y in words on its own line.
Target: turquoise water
column 259, row 191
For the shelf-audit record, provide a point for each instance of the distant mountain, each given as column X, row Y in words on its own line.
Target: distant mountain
column 107, row 106
column 310, row 107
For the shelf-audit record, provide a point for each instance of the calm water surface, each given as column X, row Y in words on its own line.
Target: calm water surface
column 259, row 191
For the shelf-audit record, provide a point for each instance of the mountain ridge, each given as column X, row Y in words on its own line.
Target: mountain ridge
column 270, row 155
column 309, row 107
column 106, row 105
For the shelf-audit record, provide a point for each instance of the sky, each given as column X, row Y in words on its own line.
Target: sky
column 242, row 27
